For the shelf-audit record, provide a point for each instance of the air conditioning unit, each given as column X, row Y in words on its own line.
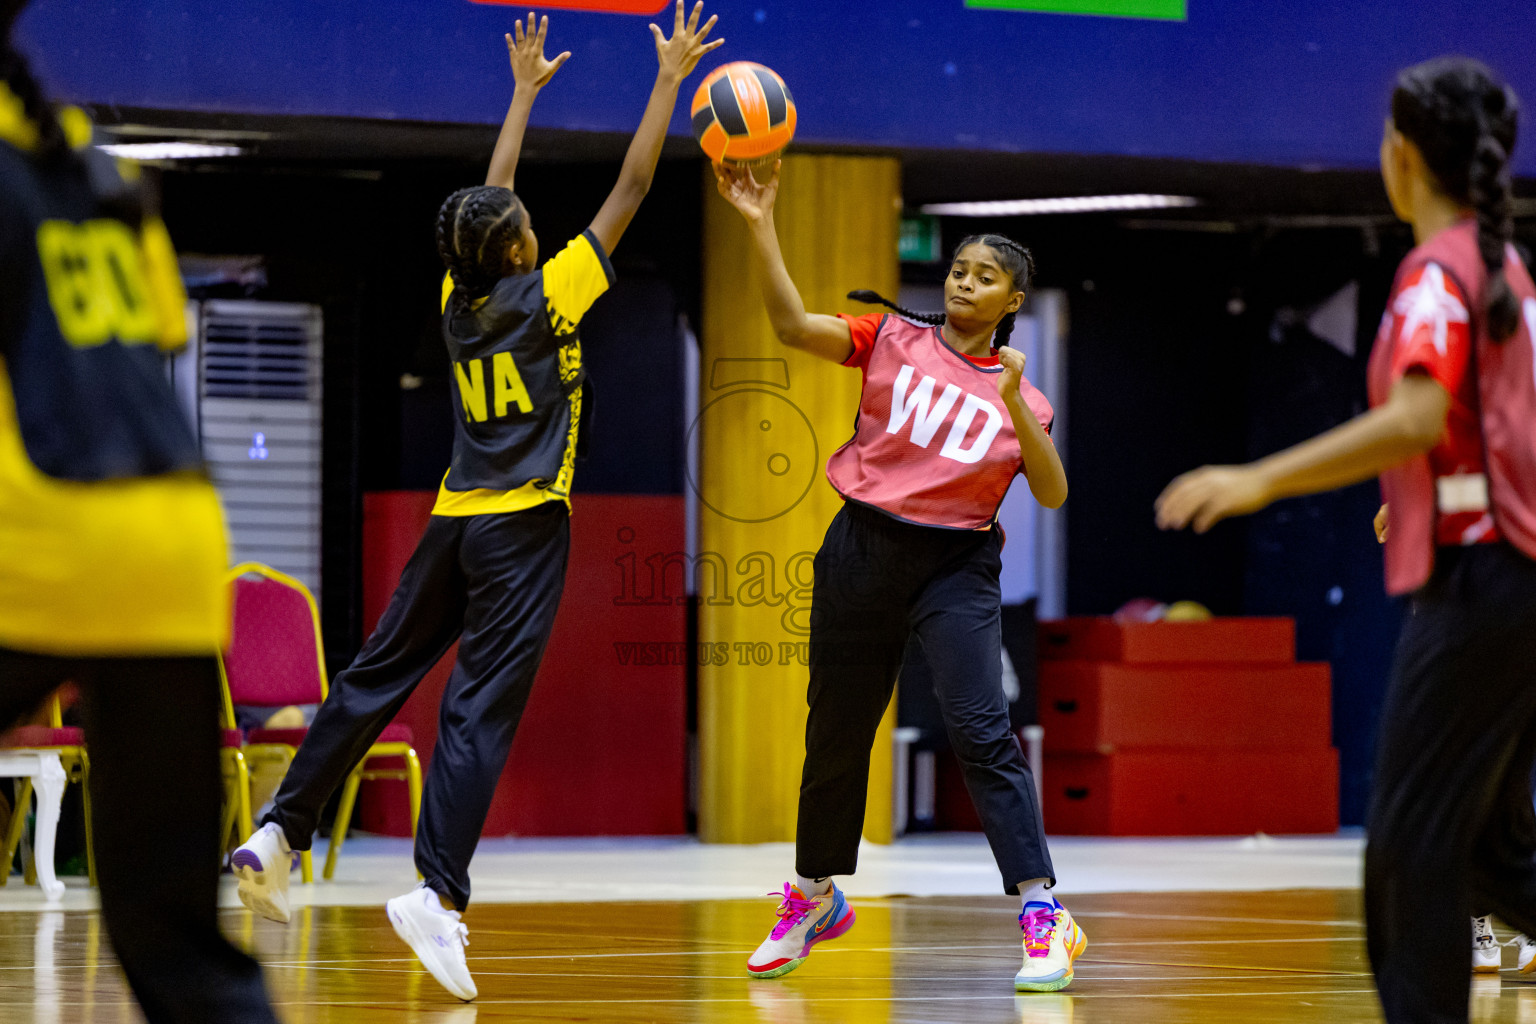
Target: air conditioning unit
column 251, row 380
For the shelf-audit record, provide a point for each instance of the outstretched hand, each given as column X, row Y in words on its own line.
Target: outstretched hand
column 682, row 53
column 1012, row 362
column 1205, row 496
column 752, row 197
column 527, row 52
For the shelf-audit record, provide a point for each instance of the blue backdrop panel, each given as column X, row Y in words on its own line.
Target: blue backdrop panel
column 1303, row 82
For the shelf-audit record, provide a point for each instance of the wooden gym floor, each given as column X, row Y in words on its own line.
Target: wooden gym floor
column 1152, row 958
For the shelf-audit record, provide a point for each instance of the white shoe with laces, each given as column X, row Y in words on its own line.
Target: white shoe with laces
column 1527, row 952
column 437, row 937
column 262, row 864
column 1486, row 954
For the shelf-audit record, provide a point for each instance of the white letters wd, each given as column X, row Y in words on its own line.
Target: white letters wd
column 925, row 423
column 978, row 448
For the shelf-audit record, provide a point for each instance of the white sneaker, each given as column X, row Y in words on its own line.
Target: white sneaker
column 1052, row 942
column 1486, row 954
column 262, row 864
column 436, row 936
column 803, row 922
column 1527, row 950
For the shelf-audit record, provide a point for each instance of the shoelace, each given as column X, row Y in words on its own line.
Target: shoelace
column 793, row 910
column 1039, row 926
column 462, row 932
column 1482, row 932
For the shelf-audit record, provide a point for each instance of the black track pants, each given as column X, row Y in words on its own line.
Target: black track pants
column 1451, row 826
column 877, row 579
column 493, row 582
column 152, row 731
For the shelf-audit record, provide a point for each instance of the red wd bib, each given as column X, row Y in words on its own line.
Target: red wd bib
column 933, row 443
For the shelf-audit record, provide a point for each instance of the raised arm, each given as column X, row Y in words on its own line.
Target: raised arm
column 530, row 73
column 1042, row 463
column 828, row 337
column 678, row 57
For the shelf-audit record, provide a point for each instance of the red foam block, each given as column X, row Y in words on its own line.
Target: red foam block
column 1099, row 707
column 1248, row 640
column 1192, row 792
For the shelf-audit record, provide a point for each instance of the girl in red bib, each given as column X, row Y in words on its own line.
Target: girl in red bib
column 1452, row 434
column 946, row 423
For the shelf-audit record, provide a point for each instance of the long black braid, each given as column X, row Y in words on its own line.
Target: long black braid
column 52, row 145
column 1017, row 261
column 475, row 229
column 1464, row 118
column 118, row 197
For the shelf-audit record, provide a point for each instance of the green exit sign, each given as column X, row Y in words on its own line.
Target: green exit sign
column 919, row 240
column 1166, row 10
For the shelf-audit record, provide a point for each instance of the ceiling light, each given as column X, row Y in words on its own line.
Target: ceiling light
column 168, row 150
column 1065, row 204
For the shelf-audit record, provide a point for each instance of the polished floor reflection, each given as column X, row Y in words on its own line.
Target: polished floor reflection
column 1152, row 958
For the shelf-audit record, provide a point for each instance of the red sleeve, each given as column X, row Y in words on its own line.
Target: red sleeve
column 864, row 329
column 1432, row 329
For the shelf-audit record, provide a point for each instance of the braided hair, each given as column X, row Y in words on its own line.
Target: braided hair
column 52, row 144
column 475, row 228
column 1017, row 262
column 118, row 195
column 1463, row 118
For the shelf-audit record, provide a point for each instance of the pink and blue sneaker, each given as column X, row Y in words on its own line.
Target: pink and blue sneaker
column 803, row 922
column 1052, row 942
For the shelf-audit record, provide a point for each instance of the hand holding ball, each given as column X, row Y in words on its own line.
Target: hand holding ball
column 743, row 114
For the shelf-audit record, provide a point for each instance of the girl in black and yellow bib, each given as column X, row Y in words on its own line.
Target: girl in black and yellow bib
column 112, row 544
column 490, row 568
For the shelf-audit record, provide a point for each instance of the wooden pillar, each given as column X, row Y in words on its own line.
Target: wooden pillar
column 770, row 416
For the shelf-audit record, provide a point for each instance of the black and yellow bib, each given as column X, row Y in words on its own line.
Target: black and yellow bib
column 84, row 318
column 518, row 383
column 112, row 542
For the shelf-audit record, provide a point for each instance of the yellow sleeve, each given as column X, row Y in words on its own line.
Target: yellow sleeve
column 574, row 278
column 447, row 291
column 163, row 278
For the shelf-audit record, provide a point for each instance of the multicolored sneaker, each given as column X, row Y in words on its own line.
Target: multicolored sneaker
column 1052, row 941
column 262, row 864
column 803, row 922
column 1486, row 954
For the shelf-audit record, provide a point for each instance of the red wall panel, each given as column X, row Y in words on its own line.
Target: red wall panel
column 601, row 749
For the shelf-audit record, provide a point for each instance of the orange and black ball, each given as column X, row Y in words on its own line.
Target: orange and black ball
column 743, row 113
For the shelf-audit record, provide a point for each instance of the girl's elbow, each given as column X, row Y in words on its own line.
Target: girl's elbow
column 1051, row 496
column 634, row 187
column 1421, row 431
column 792, row 335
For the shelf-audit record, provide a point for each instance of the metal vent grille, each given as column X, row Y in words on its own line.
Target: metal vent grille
column 260, row 350
column 260, row 421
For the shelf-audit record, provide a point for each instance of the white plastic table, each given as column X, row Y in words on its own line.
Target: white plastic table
column 48, row 779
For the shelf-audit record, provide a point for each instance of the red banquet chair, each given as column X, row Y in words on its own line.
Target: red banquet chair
column 275, row 659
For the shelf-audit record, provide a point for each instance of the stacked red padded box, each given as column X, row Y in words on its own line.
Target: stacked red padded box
column 1184, row 728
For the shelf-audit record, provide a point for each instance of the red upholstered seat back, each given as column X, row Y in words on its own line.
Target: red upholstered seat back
column 273, row 658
